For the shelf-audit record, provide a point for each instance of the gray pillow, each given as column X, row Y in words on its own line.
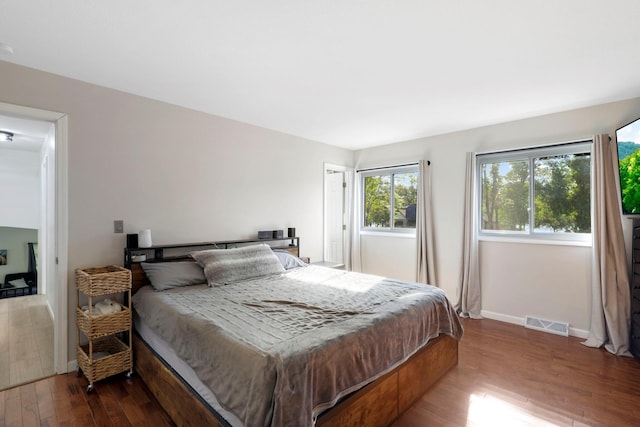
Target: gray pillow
column 288, row 260
column 224, row 266
column 168, row 275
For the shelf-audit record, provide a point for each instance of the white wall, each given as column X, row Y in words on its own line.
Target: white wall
column 387, row 255
column 186, row 175
column 517, row 279
column 547, row 281
column 15, row 240
column 19, row 188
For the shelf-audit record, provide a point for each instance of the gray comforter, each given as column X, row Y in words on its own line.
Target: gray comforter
column 277, row 351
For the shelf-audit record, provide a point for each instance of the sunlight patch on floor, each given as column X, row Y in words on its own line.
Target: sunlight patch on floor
column 488, row 410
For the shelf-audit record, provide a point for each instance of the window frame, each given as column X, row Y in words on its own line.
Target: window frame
column 529, row 155
column 385, row 171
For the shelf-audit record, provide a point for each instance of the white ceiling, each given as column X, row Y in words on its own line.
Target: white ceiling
column 351, row 73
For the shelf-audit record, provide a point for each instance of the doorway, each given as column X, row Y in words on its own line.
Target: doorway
column 49, row 130
column 336, row 215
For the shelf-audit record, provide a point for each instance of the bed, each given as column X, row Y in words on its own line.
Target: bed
column 253, row 337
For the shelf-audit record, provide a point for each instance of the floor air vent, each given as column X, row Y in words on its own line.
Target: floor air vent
column 558, row 328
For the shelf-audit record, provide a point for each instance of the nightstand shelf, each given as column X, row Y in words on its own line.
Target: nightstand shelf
column 104, row 354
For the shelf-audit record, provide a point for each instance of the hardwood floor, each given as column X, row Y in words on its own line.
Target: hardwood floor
column 511, row 376
column 26, row 340
column 61, row 400
column 507, row 376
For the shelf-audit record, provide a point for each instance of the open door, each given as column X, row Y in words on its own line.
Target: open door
column 336, row 203
column 334, row 221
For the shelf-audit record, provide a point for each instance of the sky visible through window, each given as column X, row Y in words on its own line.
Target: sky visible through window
column 630, row 132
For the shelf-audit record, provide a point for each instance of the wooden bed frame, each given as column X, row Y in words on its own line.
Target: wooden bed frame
column 377, row 404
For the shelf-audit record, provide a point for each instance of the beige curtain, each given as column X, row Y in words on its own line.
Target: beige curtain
column 426, row 262
column 469, row 301
column 610, row 301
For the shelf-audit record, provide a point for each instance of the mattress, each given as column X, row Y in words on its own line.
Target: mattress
column 279, row 350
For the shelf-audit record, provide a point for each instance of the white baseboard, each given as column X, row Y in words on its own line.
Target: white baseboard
column 503, row 317
column 72, row 366
column 580, row 333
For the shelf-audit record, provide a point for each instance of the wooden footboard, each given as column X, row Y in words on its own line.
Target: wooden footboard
column 377, row 404
column 382, row 401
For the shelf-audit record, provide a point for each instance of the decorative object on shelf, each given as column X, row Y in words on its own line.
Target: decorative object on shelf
column 132, row 240
column 106, row 306
column 144, row 238
column 271, row 234
column 3, row 257
column 265, row 234
column 291, row 232
column 138, row 257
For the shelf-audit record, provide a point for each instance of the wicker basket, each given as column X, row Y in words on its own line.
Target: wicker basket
column 103, row 280
column 118, row 360
column 107, row 324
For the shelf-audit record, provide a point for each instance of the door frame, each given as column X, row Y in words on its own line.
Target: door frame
column 56, row 262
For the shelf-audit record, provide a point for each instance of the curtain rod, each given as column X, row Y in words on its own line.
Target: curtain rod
column 533, row 147
column 391, row 167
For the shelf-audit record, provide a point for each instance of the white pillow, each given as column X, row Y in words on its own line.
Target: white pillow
column 18, row 283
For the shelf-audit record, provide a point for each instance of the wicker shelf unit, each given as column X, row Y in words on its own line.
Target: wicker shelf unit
column 105, row 353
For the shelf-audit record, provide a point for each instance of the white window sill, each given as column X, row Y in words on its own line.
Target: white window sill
column 536, row 241
column 410, row 235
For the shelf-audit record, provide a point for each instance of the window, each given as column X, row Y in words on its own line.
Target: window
column 389, row 199
column 542, row 193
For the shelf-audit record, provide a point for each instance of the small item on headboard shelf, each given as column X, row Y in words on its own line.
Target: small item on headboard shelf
column 268, row 234
column 144, row 238
column 132, row 240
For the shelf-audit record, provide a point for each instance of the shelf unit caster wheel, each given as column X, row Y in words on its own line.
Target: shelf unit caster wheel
column 89, row 388
column 129, row 374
